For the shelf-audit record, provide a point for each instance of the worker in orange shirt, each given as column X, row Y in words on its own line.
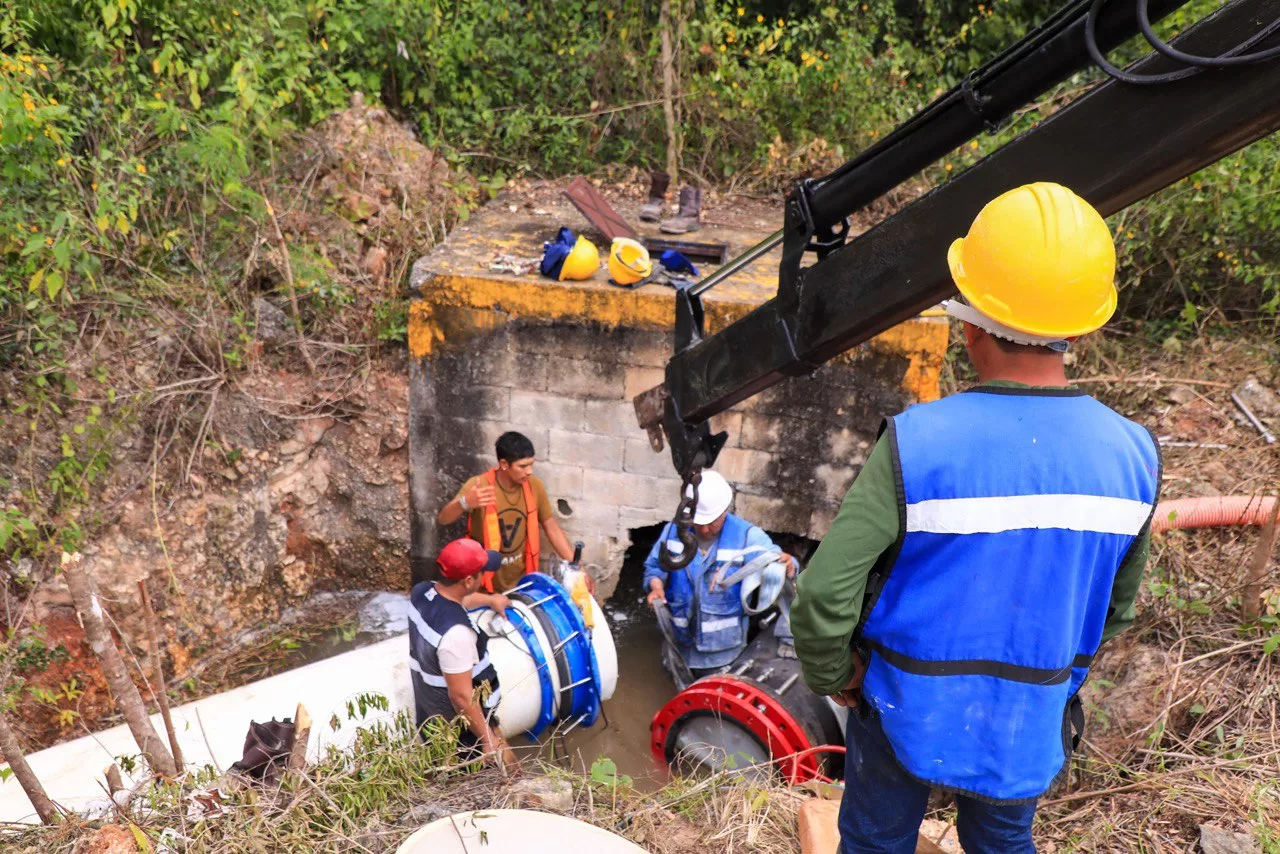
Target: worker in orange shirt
column 508, row 511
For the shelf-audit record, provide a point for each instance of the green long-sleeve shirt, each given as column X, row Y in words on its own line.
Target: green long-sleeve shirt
column 833, row 586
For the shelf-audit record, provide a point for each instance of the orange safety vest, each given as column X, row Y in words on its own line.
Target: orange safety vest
column 493, row 537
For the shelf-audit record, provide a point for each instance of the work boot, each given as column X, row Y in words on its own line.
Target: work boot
column 690, row 211
column 651, row 211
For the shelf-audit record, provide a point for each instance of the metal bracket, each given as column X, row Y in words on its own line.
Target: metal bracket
column 801, row 234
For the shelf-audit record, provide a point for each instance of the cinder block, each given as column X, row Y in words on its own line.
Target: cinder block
column 833, row 481
column 775, row 513
column 639, row 458
column 846, row 446
column 639, row 380
column 764, row 432
column 491, row 403
column 630, row 518
column 645, row 348
column 530, row 408
column 589, row 518
column 585, row 378
column 562, row 481
column 487, row 433
column 731, row 423
column 739, row 465
column 610, row 418
column 820, row 520
column 622, row 489
column 586, row 449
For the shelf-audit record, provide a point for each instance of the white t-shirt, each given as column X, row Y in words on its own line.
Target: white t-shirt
column 457, row 651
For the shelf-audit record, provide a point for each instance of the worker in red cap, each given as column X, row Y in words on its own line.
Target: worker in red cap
column 449, row 657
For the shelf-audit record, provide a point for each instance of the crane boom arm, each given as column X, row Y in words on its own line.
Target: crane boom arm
column 1114, row 146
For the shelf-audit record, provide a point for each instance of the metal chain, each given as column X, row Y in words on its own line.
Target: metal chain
column 683, row 522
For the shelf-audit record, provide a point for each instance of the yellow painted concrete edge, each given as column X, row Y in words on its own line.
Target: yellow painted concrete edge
column 490, row 303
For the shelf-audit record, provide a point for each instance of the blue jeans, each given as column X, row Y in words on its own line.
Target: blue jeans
column 883, row 806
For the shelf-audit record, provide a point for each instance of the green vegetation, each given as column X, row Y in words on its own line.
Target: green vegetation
column 139, row 137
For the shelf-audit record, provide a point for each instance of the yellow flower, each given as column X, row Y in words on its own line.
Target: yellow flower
column 94, row 186
column 735, row 84
column 722, row 48
column 48, row 241
column 974, row 145
column 741, row 11
column 782, row 22
column 34, row 229
column 947, row 167
column 44, row 67
column 1219, row 254
column 235, row 12
column 759, row 19
column 62, row 161
column 1131, row 234
column 324, row 43
column 142, row 169
column 53, row 101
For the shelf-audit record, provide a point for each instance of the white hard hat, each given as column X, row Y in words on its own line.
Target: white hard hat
column 714, row 497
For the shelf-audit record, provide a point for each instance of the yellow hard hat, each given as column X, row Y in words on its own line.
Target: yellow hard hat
column 628, row 261
column 582, row 262
column 1038, row 259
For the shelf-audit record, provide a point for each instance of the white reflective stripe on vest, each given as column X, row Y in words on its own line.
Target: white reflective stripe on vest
column 720, row 625
column 682, row 622
column 429, row 634
column 431, row 679
column 992, row 515
column 439, row 681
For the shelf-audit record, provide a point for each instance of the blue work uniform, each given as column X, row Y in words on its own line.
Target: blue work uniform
column 710, row 625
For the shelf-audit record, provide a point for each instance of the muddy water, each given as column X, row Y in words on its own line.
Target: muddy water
column 622, row 733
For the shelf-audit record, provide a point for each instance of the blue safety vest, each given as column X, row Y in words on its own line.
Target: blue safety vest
column 709, row 620
column 1017, row 507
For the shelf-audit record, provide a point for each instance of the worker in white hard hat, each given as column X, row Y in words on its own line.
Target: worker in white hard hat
column 709, row 619
column 991, row 543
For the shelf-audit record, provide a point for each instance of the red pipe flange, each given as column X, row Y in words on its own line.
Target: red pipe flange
column 750, row 705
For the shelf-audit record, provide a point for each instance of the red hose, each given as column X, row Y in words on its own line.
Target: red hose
column 1212, row 511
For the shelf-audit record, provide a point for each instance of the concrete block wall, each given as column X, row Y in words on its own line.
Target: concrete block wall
column 791, row 455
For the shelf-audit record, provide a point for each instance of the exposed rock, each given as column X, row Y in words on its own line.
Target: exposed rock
column 1262, row 401
column 273, row 325
column 1215, row 840
column 541, row 793
column 1180, row 394
column 111, row 839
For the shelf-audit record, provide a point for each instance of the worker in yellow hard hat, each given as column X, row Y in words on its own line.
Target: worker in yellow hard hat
column 991, row 542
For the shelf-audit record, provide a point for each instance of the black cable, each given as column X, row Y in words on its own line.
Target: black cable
column 1233, row 57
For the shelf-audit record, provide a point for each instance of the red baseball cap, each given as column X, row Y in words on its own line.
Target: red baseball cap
column 465, row 557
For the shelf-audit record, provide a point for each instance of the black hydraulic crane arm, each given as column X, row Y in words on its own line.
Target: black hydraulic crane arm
column 1114, row 146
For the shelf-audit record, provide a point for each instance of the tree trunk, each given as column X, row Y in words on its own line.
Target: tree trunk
column 26, row 777
column 122, row 688
column 157, row 675
column 1250, row 604
column 668, row 92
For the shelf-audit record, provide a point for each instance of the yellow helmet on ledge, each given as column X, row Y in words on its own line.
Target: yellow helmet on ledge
column 1038, row 259
column 582, row 262
column 628, row 261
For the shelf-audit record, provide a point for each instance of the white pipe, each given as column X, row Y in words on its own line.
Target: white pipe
column 212, row 730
